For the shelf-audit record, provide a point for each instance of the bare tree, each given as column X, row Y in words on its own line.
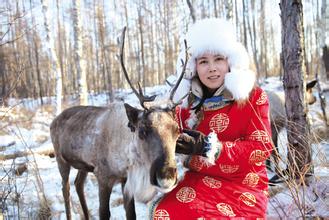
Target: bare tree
column 54, row 64
column 299, row 151
column 79, row 60
column 192, row 11
column 263, row 40
column 229, row 9
column 325, row 35
column 245, row 11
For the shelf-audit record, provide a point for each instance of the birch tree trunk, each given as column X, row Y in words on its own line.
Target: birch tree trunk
column 54, row 64
column 78, row 58
column 299, row 151
column 244, row 9
column 229, row 9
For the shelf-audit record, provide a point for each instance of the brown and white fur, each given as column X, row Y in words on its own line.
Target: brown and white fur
column 98, row 140
column 118, row 143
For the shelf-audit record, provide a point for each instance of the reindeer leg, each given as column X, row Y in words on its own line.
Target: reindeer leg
column 105, row 186
column 274, row 155
column 64, row 170
column 129, row 203
column 275, row 152
column 79, row 186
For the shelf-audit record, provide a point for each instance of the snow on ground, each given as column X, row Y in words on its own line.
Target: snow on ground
column 26, row 134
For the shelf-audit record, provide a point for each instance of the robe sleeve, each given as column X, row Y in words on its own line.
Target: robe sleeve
column 255, row 146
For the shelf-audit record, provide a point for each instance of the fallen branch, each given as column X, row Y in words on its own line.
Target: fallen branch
column 44, row 152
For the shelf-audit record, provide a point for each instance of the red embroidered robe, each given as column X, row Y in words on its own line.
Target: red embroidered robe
column 236, row 186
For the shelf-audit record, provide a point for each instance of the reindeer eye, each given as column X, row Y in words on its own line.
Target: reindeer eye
column 142, row 133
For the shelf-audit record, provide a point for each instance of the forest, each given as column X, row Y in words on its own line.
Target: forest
column 56, row 54
column 40, row 40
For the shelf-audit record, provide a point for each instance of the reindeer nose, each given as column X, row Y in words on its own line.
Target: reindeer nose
column 167, row 177
column 171, row 173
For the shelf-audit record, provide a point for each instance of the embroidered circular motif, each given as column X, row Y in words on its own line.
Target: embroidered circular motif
column 262, row 99
column 225, row 209
column 261, row 136
column 211, row 182
column 219, row 122
column 248, row 199
column 186, row 194
column 161, row 214
column 225, row 168
column 257, row 157
column 251, row 179
column 195, row 163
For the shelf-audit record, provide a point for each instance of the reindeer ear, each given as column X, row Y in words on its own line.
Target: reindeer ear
column 132, row 114
column 311, row 84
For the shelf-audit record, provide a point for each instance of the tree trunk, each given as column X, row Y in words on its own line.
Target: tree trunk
column 54, row 64
column 37, row 66
column 60, row 52
column 244, row 9
column 229, row 9
column 325, row 58
column 299, row 151
column 3, row 92
column 252, row 34
column 79, row 60
column 142, row 55
column 263, row 39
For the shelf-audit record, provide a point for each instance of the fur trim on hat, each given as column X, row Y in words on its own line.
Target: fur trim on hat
column 217, row 36
column 240, row 82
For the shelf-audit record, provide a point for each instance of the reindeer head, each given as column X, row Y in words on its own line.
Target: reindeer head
column 310, row 98
column 157, row 131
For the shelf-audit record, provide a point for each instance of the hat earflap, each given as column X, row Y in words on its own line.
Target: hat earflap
column 240, row 82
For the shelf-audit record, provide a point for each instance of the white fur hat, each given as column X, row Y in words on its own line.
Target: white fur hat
column 217, row 36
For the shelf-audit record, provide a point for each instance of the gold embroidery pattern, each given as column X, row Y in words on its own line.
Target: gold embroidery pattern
column 211, row 182
column 261, row 136
column 266, row 193
column 219, row 122
column 257, row 157
column 225, row 209
column 230, row 144
column 262, row 99
column 258, row 164
column 186, row 194
column 251, row 179
column 248, row 199
column 225, row 168
column 196, row 163
column 161, row 214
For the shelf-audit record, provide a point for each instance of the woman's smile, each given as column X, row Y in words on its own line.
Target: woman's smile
column 211, row 69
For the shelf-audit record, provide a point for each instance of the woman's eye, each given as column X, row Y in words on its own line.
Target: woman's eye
column 219, row 59
column 203, row 62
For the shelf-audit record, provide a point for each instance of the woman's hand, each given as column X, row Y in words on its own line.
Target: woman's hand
column 192, row 142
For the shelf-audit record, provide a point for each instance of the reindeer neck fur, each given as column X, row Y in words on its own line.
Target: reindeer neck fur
column 138, row 183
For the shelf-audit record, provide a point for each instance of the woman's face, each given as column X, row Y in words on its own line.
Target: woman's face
column 211, row 70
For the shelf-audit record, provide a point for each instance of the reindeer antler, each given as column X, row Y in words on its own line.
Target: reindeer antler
column 139, row 94
column 172, row 93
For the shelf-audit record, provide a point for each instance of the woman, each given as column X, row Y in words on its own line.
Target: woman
column 225, row 131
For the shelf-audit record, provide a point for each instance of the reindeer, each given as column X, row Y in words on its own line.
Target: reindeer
column 119, row 144
column 278, row 116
